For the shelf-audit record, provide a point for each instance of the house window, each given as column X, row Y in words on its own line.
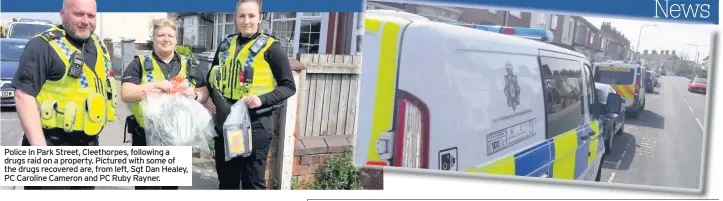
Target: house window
column 553, row 24
column 603, row 43
column 224, row 25
column 577, row 33
column 592, row 37
column 190, row 30
column 571, row 29
column 309, row 36
column 541, row 18
column 517, row 14
column 300, row 32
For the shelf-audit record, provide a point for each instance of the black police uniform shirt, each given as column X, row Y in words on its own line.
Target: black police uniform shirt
column 279, row 63
column 133, row 72
column 40, row 63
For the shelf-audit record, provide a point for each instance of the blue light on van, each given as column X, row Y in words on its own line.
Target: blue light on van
column 533, row 33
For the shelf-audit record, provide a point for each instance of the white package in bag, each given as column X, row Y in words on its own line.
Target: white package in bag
column 237, row 132
column 176, row 120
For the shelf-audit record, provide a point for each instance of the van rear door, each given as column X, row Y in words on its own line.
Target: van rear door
column 621, row 78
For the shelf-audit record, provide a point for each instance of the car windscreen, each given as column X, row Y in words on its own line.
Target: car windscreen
column 27, row 31
column 11, row 51
column 614, row 75
column 700, row 81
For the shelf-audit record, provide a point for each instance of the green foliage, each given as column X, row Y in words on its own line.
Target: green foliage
column 148, row 45
column 296, row 183
column 185, row 51
column 338, row 173
column 702, row 73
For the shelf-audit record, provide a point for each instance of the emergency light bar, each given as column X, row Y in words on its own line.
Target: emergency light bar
column 531, row 33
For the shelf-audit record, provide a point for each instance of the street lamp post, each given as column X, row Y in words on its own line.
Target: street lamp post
column 697, row 56
column 637, row 48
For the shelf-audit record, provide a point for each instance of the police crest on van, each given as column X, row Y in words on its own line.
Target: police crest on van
column 512, row 88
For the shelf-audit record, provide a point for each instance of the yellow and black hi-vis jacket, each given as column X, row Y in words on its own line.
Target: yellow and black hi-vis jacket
column 78, row 103
column 151, row 72
column 246, row 73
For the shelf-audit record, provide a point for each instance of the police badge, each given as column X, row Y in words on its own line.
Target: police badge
column 512, row 89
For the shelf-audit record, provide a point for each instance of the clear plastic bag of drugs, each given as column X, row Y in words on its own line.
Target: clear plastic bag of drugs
column 172, row 119
column 237, row 132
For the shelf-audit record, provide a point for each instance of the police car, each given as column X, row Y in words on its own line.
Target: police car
column 478, row 102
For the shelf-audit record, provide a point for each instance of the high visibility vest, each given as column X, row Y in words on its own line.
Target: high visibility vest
column 84, row 104
column 151, row 72
column 246, row 73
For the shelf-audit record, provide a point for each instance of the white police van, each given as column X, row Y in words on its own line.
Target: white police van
column 440, row 96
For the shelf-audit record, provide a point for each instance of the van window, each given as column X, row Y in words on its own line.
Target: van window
column 614, row 75
column 563, row 91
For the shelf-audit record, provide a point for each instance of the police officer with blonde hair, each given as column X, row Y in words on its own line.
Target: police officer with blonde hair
column 154, row 72
column 65, row 92
column 252, row 67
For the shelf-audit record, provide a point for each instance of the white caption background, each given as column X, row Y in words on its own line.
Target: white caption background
column 96, row 166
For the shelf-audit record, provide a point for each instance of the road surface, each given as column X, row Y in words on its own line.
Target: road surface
column 204, row 175
column 662, row 147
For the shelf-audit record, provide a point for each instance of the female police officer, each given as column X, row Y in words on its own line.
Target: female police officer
column 154, row 71
column 245, row 67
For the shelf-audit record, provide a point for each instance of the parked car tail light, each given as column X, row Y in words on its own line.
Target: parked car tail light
column 411, row 132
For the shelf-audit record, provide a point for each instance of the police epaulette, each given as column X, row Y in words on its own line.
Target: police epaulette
column 272, row 36
column 52, row 34
column 147, row 63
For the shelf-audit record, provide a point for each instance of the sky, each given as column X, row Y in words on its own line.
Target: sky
column 663, row 36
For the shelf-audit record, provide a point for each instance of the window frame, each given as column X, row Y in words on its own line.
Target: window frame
column 580, row 83
column 323, row 18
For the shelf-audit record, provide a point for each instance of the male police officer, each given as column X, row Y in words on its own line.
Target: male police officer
column 65, row 91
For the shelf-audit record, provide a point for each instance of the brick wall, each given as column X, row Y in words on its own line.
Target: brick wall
column 311, row 152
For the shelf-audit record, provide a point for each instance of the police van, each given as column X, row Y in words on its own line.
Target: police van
column 628, row 81
column 441, row 96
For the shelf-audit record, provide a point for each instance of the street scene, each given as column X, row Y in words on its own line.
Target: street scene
column 323, row 129
column 663, row 146
column 658, row 71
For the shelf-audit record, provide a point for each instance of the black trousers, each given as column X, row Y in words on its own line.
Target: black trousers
column 250, row 170
column 58, row 137
column 139, row 139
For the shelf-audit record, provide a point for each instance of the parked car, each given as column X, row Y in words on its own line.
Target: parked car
column 26, row 30
column 649, row 81
column 11, row 50
column 698, row 85
column 612, row 123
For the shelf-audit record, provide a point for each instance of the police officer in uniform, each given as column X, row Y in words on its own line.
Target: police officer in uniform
column 64, row 85
column 154, row 71
column 244, row 69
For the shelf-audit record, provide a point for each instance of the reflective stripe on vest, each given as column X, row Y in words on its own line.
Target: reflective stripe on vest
column 226, row 78
column 151, row 72
column 77, row 104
